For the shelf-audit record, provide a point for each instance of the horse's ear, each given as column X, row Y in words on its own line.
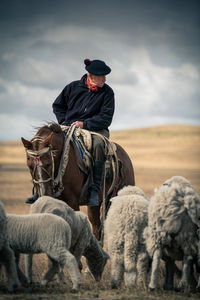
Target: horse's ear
column 48, row 140
column 27, row 144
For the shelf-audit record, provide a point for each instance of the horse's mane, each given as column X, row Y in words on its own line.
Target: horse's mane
column 51, row 126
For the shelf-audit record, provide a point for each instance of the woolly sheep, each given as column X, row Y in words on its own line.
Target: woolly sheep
column 44, row 233
column 171, row 234
column 183, row 182
column 83, row 242
column 124, row 225
column 180, row 180
column 7, row 257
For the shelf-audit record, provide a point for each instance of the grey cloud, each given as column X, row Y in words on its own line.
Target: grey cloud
column 44, row 43
column 16, row 106
column 179, row 19
column 2, row 89
column 186, row 108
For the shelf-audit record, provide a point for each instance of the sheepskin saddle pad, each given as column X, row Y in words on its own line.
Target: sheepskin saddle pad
column 82, row 144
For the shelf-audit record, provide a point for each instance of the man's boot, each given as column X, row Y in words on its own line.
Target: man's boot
column 32, row 199
column 93, row 199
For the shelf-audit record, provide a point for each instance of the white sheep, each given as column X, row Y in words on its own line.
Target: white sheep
column 124, row 225
column 44, row 233
column 83, row 242
column 7, row 257
column 173, row 220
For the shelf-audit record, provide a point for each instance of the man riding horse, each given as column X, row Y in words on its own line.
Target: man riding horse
column 88, row 104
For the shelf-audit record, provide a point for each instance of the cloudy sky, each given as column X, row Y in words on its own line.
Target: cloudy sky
column 152, row 47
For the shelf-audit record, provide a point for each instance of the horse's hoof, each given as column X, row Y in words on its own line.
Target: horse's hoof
column 151, row 289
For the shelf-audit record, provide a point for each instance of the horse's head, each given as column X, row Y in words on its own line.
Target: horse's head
column 43, row 155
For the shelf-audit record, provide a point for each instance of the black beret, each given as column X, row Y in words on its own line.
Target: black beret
column 96, row 67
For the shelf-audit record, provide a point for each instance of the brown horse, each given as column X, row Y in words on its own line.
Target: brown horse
column 44, row 152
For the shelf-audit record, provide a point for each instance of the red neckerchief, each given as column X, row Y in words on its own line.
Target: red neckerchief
column 90, row 86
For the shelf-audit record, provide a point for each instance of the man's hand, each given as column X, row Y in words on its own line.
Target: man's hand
column 78, row 124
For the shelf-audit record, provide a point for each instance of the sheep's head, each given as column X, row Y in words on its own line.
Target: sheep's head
column 96, row 265
column 96, row 258
column 192, row 204
column 180, row 180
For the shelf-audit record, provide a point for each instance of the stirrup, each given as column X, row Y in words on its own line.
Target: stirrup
column 32, row 199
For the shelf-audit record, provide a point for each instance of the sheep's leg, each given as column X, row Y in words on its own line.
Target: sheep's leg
column 21, row 275
column 193, row 281
column 117, row 268
column 53, row 269
column 142, row 265
column 154, row 269
column 130, row 276
column 67, row 259
column 72, row 267
column 11, row 270
column 131, row 244
column 59, row 274
column 186, row 278
column 28, row 262
column 169, row 274
column 79, row 247
column 198, row 285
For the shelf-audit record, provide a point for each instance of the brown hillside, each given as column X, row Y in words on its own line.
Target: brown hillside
column 157, row 153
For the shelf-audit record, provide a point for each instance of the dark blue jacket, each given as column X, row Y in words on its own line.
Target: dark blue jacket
column 77, row 103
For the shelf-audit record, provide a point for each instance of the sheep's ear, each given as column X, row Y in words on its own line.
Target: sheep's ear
column 27, row 144
column 48, row 140
column 57, row 212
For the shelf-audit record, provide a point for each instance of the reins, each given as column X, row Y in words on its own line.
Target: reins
column 36, row 154
column 58, row 183
column 103, row 207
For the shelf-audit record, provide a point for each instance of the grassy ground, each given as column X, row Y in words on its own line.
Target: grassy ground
column 157, row 153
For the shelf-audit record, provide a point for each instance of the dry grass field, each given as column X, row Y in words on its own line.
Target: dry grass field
column 157, row 153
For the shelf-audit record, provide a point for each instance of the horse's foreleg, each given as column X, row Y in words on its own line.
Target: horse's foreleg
column 71, row 200
column 94, row 217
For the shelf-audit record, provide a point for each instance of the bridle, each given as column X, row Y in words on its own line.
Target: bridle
column 57, row 184
column 38, row 165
